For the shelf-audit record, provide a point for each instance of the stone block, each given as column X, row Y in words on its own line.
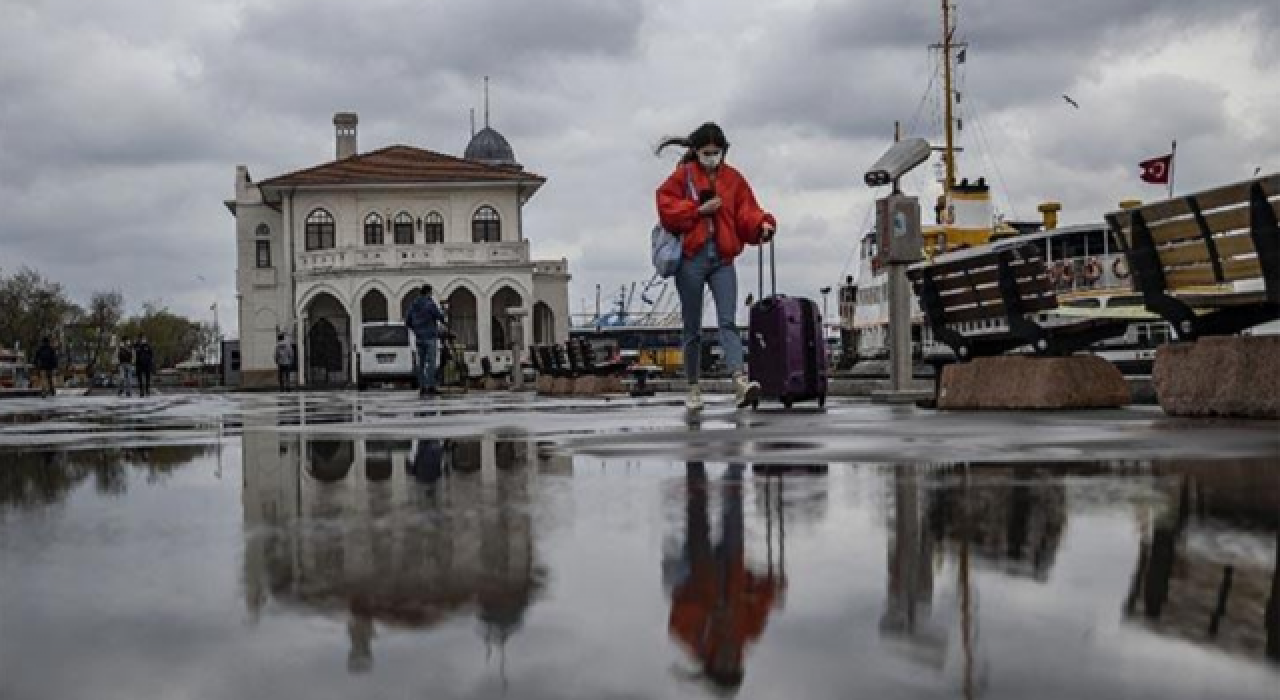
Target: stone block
column 1229, row 376
column 562, row 386
column 544, row 384
column 597, row 386
column 1018, row 382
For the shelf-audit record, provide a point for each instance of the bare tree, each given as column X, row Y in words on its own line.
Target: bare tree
column 106, row 310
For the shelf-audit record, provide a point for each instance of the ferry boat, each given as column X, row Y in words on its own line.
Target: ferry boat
column 1087, row 267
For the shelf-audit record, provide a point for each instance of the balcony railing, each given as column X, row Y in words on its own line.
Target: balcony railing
column 392, row 257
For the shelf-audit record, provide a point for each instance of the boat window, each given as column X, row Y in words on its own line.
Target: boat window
column 1068, row 246
column 1094, row 242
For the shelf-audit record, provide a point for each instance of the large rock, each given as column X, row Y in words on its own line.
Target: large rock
column 597, row 386
column 1231, row 376
column 1021, row 382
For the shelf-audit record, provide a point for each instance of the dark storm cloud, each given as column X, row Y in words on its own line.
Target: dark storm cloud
column 848, row 69
column 123, row 120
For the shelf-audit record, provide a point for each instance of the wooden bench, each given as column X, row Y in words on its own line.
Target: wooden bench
column 1208, row 263
column 984, row 302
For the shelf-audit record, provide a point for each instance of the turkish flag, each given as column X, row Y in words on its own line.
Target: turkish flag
column 1156, row 170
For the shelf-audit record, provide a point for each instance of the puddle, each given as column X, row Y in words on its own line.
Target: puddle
column 321, row 565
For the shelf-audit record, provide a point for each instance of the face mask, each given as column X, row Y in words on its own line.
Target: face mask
column 710, row 162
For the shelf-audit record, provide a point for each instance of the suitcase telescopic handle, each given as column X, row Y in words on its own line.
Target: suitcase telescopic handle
column 773, row 268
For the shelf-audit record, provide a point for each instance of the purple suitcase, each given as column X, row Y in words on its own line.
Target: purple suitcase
column 787, row 354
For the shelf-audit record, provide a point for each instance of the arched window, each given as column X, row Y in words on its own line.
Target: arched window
column 320, row 230
column 403, row 229
column 373, row 230
column 262, row 246
column 486, row 227
column 434, row 228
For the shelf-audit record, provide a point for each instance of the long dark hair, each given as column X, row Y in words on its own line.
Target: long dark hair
column 708, row 134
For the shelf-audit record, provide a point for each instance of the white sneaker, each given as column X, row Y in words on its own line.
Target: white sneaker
column 745, row 393
column 694, row 402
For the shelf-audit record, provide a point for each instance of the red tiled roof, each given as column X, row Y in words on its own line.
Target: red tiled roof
column 401, row 165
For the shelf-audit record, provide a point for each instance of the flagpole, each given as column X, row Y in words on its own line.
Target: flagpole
column 1173, row 159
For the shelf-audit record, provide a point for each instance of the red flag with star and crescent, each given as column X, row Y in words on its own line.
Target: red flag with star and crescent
column 1156, row 170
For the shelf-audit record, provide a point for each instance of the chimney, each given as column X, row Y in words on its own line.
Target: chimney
column 1050, row 212
column 344, row 125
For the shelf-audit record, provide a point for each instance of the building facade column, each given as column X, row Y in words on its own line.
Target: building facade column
column 484, row 325
column 300, row 338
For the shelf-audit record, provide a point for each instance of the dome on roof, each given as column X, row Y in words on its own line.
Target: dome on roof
column 491, row 148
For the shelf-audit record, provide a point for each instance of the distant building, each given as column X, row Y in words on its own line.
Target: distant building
column 321, row 251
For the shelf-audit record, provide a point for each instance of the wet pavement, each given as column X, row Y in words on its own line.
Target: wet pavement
column 342, row 545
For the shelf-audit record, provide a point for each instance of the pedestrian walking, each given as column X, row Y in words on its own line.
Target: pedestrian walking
column 711, row 206
column 284, row 361
column 424, row 318
column 145, row 359
column 124, row 360
column 46, row 364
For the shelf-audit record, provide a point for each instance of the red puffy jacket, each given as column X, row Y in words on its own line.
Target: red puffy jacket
column 737, row 223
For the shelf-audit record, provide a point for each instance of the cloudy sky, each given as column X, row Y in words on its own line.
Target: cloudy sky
column 122, row 120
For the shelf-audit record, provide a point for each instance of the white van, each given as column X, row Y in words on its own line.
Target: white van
column 386, row 354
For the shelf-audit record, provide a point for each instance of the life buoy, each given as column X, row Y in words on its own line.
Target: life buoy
column 1120, row 268
column 1092, row 271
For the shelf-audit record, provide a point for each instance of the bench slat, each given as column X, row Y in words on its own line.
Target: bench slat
column 1229, row 246
column 1200, row 275
column 1209, row 199
column 1221, row 221
column 1029, row 287
column 989, row 275
column 986, row 311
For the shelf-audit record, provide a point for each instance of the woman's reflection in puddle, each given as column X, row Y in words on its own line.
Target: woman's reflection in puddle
column 718, row 605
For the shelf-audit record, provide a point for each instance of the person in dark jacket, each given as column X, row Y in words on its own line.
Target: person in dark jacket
column 424, row 318
column 46, row 365
column 145, row 360
column 124, row 358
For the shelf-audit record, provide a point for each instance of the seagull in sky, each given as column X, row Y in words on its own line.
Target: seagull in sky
column 1071, row 101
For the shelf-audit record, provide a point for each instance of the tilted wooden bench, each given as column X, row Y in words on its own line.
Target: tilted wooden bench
column 1208, row 263
column 984, row 302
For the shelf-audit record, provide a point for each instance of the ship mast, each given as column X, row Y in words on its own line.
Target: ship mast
column 949, row 155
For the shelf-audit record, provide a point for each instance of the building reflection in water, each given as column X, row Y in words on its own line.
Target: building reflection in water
column 1202, row 571
column 396, row 533
column 721, row 603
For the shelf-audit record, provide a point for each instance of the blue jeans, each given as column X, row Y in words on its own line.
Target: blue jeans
column 427, row 349
column 703, row 270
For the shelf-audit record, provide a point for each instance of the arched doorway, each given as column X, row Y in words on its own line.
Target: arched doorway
column 373, row 307
column 462, row 317
column 328, row 335
column 506, row 298
column 544, row 324
column 407, row 301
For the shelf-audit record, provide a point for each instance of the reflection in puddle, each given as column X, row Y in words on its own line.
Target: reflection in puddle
column 407, row 534
column 42, row 478
column 415, row 567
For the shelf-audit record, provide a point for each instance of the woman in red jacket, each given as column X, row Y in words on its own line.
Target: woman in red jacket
column 712, row 208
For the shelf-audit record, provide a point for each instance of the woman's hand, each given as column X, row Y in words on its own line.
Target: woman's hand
column 766, row 232
column 709, row 207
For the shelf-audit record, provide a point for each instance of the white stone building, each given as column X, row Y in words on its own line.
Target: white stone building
column 321, row 251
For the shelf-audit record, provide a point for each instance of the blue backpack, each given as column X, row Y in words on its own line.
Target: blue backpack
column 667, row 249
